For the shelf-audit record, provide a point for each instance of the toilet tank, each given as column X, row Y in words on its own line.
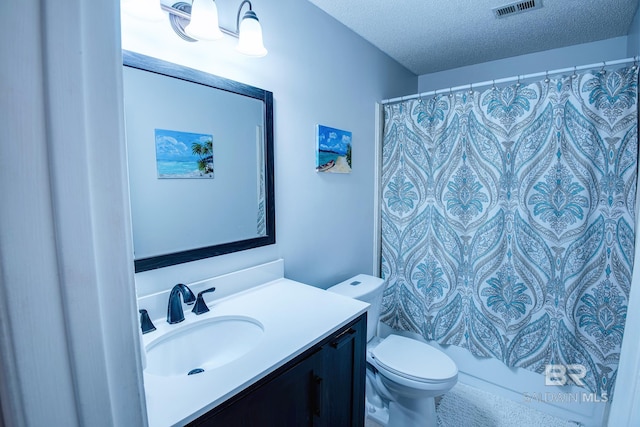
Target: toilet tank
column 368, row 289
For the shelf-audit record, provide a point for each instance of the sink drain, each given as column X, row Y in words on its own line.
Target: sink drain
column 195, row 371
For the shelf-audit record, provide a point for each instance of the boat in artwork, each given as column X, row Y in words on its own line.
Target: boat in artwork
column 326, row 166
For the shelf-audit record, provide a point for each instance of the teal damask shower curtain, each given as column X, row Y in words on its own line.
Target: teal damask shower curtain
column 508, row 220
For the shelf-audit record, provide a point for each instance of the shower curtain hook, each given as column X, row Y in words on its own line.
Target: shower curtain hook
column 450, row 93
column 635, row 63
column 602, row 70
column 493, row 86
column 471, row 89
column 518, row 82
column 546, row 77
column 574, row 75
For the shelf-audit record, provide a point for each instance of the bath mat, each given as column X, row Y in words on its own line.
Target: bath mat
column 466, row 406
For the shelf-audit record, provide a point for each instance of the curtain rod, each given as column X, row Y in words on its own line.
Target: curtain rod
column 511, row 79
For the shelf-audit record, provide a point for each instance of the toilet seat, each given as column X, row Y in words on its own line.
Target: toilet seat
column 413, row 363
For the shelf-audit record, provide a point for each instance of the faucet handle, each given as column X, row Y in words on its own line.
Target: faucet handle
column 201, row 306
column 145, row 322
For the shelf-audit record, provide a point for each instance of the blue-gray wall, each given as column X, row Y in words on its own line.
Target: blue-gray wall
column 633, row 42
column 320, row 72
column 566, row 57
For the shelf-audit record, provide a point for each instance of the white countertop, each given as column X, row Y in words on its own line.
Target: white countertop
column 294, row 316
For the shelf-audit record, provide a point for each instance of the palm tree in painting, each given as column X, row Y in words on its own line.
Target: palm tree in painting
column 205, row 154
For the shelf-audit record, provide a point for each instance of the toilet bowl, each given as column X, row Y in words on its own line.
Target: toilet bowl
column 404, row 375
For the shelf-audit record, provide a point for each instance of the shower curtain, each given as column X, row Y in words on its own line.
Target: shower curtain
column 508, row 220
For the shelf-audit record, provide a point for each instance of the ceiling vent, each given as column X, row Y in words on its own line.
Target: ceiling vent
column 517, row 7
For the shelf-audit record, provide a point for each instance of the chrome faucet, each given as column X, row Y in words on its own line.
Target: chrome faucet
column 174, row 310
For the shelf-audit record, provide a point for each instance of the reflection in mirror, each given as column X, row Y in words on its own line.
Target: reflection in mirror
column 200, row 155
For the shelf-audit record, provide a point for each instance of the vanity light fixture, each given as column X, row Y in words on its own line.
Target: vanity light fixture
column 199, row 21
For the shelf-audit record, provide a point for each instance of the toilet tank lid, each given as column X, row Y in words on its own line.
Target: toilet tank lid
column 357, row 286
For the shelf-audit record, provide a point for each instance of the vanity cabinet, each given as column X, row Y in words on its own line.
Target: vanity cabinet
column 324, row 386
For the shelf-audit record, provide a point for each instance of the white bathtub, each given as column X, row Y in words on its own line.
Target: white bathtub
column 523, row 386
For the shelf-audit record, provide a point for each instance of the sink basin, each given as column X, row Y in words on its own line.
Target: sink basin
column 202, row 345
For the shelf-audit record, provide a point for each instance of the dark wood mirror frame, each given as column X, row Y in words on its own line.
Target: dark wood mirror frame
column 153, row 65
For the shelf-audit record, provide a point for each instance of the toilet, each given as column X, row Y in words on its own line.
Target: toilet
column 404, row 375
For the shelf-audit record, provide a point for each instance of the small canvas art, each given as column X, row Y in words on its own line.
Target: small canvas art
column 184, row 154
column 333, row 150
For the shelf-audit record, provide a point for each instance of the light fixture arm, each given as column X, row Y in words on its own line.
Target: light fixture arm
column 176, row 12
column 187, row 16
column 237, row 33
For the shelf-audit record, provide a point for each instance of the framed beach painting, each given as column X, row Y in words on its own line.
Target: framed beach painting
column 183, row 154
column 333, row 150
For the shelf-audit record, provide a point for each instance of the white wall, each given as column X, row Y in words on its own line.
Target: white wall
column 320, row 73
column 566, row 57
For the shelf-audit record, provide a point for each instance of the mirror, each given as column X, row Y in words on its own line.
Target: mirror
column 200, row 156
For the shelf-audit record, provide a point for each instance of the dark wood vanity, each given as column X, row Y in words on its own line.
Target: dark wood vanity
column 323, row 386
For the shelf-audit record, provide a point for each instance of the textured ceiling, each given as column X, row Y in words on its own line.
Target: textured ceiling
column 434, row 35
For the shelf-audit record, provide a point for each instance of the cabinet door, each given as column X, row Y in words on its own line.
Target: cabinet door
column 322, row 387
column 344, row 367
column 291, row 399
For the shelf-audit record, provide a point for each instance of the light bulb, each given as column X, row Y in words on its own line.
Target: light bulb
column 204, row 21
column 250, row 36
